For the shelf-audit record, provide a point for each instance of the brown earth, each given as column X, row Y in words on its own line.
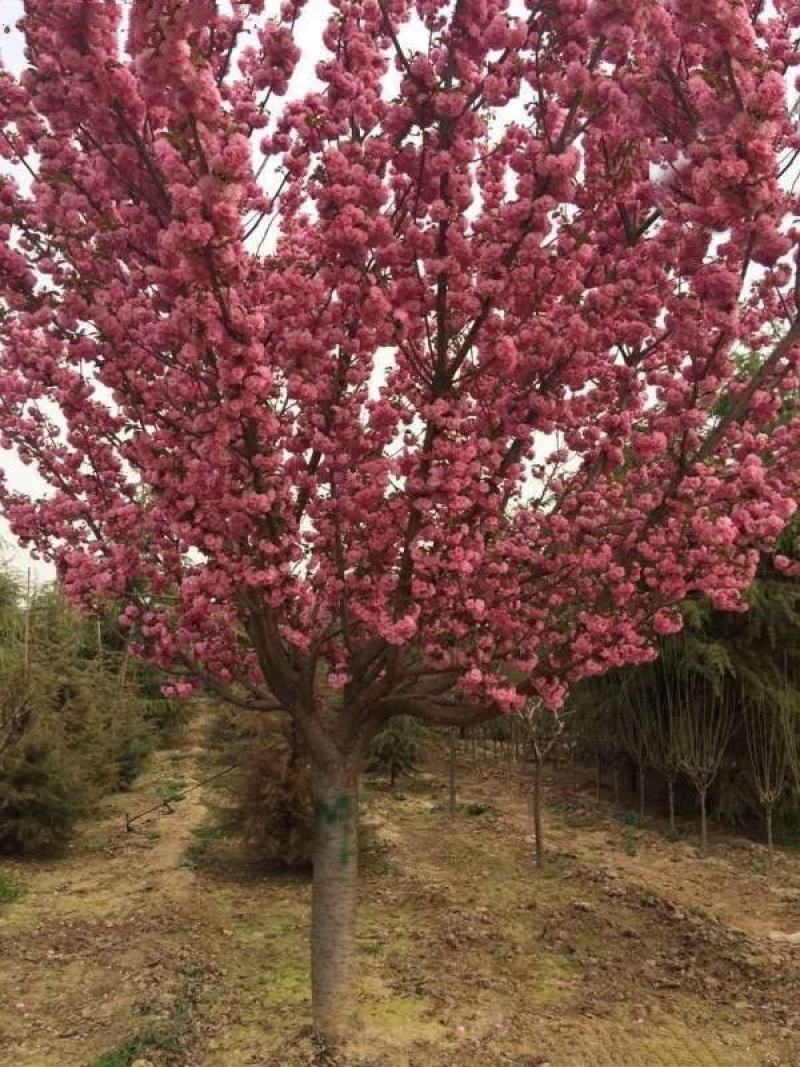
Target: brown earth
column 166, row 947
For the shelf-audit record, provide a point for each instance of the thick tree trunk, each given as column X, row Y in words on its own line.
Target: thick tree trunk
column 333, row 901
column 538, row 843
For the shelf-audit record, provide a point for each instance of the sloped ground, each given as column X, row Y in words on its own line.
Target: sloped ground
column 625, row 949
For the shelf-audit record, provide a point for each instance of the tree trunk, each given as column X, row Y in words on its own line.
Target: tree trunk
column 703, row 821
column 538, row 843
column 671, row 800
column 333, row 899
column 616, row 784
column 452, row 774
column 769, row 834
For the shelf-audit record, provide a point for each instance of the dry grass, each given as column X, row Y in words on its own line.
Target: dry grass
column 644, row 955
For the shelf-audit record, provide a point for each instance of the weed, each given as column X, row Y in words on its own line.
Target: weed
column 174, row 789
column 628, row 818
column 172, row 1038
column 199, row 851
column 164, row 1038
column 9, row 892
column 627, row 841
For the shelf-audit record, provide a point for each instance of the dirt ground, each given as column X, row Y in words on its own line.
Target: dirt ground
column 164, row 947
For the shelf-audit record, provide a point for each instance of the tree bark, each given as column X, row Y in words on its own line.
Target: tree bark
column 538, row 843
column 641, row 793
column 333, row 900
column 769, row 834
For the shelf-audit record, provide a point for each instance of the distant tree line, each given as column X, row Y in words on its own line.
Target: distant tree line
column 78, row 715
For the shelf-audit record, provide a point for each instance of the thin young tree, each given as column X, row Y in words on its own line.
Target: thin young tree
column 661, row 740
column 636, row 721
column 703, row 724
column 543, row 731
column 452, row 766
column 403, row 394
column 769, row 742
column 663, row 754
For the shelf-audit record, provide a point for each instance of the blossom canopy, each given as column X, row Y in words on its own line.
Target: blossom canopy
column 453, row 367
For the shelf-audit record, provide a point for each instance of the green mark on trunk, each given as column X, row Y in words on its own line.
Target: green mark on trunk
column 336, row 811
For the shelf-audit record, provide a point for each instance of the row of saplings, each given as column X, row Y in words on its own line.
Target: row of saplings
column 709, row 730
column 687, row 744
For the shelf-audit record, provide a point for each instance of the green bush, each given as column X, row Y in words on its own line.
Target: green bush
column 274, row 809
column 40, row 799
column 395, row 750
column 78, row 717
column 9, row 892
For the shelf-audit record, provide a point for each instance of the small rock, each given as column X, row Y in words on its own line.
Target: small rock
column 789, row 939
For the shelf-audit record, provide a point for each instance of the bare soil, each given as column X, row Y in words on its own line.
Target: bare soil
column 167, row 947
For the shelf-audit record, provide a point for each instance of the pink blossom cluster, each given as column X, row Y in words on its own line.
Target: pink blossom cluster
column 456, row 388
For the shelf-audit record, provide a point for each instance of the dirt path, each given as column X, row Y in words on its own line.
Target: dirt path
column 625, row 949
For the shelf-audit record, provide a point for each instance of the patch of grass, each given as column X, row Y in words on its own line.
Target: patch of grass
column 162, row 1038
column 175, row 788
column 171, row 1038
column 9, row 892
column 121, row 1056
column 476, row 808
column 759, row 868
column 628, row 818
column 627, row 841
column 374, row 855
column 199, row 851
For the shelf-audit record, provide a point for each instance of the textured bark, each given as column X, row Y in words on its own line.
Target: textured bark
column 333, row 907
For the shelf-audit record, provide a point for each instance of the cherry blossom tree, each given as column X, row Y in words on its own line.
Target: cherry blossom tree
column 412, row 385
